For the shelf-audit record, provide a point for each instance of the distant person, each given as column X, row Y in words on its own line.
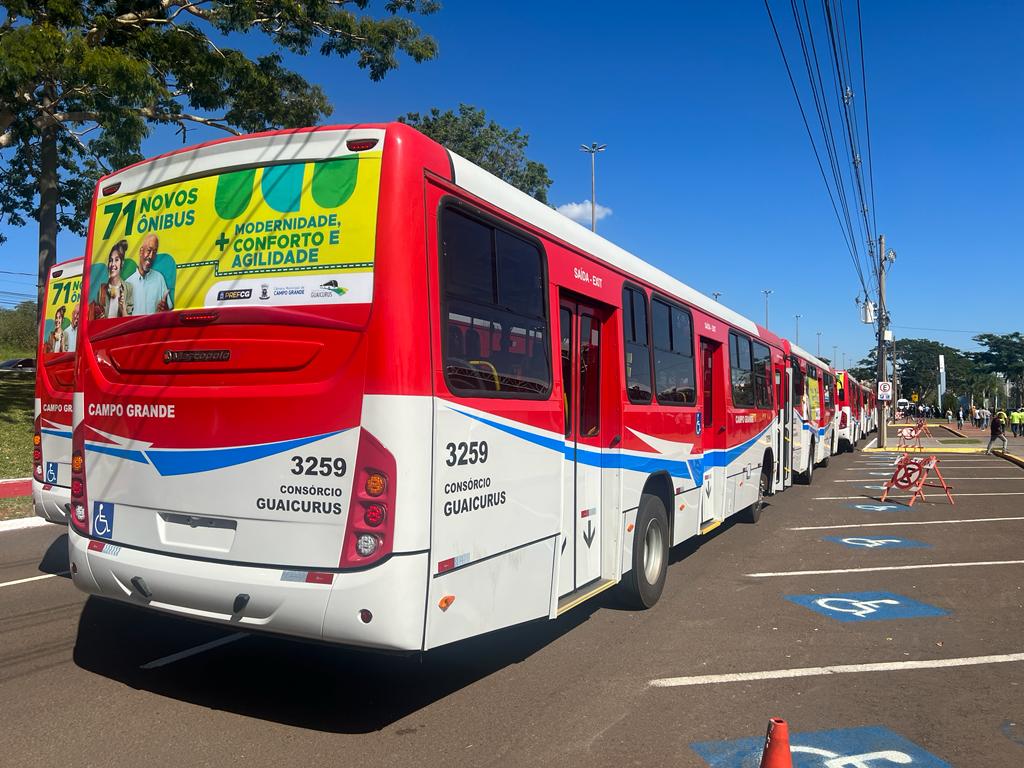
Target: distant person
column 1015, row 422
column 151, row 293
column 997, row 432
column 949, row 415
column 960, row 417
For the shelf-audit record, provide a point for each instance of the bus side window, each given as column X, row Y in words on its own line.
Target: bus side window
column 493, row 293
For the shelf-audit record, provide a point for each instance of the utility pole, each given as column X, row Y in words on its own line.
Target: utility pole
column 883, row 369
column 767, row 292
column 592, row 150
column 797, row 339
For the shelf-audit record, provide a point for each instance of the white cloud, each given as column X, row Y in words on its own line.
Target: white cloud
column 581, row 211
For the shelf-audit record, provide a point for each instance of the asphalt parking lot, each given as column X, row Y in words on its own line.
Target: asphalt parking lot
column 884, row 635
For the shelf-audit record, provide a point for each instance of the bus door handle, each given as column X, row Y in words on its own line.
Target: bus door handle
column 721, row 429
column 615, row 441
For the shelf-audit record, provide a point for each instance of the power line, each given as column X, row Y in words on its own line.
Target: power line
column 814, row 146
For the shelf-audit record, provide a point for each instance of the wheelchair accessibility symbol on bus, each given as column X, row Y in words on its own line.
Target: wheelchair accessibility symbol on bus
column 870, row 747
column 103, row 519
column 866, row 606
column 51, row 472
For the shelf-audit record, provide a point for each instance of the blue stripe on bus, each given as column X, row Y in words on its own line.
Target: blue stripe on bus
column 121, row 453
column 187, row 461
column 692, row 469
column 56, row 433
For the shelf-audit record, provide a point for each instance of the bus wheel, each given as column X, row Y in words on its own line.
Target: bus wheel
column 642, row 586
column 753, row 513
column 824, row 462
column 806, row 477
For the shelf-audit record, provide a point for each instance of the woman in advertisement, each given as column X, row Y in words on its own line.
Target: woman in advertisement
column 55, row 339
column 115, row 297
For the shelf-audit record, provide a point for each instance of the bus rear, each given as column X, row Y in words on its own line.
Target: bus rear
column 239, row 451
column 55, row 378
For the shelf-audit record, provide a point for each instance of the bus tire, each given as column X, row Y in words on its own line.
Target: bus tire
column 642, row 586
column 805, row 478
column 753, row 513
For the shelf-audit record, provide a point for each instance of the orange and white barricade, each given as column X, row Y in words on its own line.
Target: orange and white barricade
column 908, row 436
column 912, row 473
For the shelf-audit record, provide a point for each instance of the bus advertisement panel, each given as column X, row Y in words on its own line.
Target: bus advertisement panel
column 291, row 233
column 58, row 341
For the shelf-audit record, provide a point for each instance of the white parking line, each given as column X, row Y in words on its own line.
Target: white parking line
column 871, row 479
column 907, row 496
column 16, row 582
column 838, row 669
column 904, row 522
column 21, row 523
column 163, row 662
column 883, row 568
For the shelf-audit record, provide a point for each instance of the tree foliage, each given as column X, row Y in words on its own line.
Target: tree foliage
column 494, row 148
column 82, row 82
column 18, row 328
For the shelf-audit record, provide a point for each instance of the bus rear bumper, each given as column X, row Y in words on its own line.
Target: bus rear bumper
column 51, row 502
column 279, row 601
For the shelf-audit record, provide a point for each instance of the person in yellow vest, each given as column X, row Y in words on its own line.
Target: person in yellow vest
column 1017, row 422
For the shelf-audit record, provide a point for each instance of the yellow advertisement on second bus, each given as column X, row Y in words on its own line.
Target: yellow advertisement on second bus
column 291, row 233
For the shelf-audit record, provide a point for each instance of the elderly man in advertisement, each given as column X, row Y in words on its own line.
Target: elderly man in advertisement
column 70, row 341
column 149, row 286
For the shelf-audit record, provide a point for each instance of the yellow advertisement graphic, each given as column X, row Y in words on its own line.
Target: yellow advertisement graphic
column 60, row 316
column 295, row 233
column 814, row 398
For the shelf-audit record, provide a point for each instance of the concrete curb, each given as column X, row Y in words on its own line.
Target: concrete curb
column 955, row 432
column 925, row 450
column 1010, row 458
column 22, row 523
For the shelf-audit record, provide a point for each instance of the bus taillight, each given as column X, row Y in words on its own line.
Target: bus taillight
column 79, row 511
column 37, row 449
column 369, row 534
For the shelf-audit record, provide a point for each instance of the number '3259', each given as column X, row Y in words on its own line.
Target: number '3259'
column 466, row 453
column 324, row 466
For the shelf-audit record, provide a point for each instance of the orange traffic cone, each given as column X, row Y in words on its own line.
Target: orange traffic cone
column 776, row 745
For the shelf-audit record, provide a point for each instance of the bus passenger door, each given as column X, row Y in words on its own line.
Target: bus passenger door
column 713, row 434
column 580, row 331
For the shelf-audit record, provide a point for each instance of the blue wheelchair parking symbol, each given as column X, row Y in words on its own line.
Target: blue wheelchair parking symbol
column 866, row 606
column 870, row 747
column 876, row 542
column 103, row 519
column 51, row 472
column 879, row 506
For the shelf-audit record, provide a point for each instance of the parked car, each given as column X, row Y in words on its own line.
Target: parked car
column 18, row 365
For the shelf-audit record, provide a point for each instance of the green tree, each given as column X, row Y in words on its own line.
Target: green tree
column 494, row 148
column 82, row 82
column 917, row 368
column 18, row 329
column 1003, row 354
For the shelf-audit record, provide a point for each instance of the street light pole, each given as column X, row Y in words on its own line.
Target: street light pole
column 767, row 292
column 716, row 294
column 835, row 354
column 819, row 346
column 797, row 339
column 592, row 150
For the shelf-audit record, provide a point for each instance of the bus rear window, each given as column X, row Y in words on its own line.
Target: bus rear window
column 496, row 340
column 285, row 234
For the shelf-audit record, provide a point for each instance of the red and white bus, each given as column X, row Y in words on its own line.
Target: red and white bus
column 856, row 403
column 366, row 392
column 812, row 413
column 55, row 379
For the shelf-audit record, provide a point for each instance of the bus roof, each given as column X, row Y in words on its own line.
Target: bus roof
column 801, row 352
column 492, row 189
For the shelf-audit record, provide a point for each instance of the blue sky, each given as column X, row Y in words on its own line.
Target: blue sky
column 709, row 173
